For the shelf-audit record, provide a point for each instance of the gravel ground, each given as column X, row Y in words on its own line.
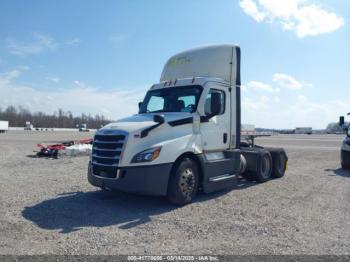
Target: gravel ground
column 48, row 207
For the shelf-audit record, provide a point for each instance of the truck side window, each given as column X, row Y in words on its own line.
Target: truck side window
column 156, row 103
column 207, row 105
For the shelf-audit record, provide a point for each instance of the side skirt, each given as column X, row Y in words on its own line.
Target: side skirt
column 221, row 173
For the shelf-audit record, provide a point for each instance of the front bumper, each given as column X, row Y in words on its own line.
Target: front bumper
column 148, row 180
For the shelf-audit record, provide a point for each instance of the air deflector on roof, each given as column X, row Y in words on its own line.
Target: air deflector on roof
column 219, row 61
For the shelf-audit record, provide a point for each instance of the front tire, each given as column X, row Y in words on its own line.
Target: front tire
column 183, row 183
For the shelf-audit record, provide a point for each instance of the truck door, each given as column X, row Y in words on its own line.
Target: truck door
column 215, row 132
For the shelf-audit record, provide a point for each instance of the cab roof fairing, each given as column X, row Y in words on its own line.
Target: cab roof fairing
column 215, row 61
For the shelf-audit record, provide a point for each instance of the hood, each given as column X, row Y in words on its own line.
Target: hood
column 141, row 121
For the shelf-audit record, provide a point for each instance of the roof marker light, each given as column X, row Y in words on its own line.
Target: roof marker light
column 165, row 83
column 170, row 82
column 175, row 81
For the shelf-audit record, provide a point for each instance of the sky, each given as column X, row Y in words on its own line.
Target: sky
column 102, row 56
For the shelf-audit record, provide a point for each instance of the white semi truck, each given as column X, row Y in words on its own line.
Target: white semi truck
column 83, row 128
column 186, row 137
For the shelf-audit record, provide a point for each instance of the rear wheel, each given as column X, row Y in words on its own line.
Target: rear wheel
column 265, row 167
column 262, row 162
column 279, row 164
column 183, row 183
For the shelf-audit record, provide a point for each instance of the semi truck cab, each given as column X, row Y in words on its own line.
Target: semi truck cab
column 186, row 135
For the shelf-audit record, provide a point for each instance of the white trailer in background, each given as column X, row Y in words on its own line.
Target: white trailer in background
column 247, row 130
column 303, row 130
column 4, row 126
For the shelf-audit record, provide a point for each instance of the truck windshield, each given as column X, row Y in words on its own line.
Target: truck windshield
column 171, row 99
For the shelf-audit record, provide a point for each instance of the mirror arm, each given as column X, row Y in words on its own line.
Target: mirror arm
column 207, row 117
column 158, row 119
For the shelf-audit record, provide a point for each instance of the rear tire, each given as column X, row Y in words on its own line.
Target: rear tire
column 263, row 168
column 183, row 183
column 279, row 160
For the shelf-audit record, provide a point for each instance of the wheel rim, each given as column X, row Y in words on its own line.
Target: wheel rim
column 187, row 182
column 265, row 167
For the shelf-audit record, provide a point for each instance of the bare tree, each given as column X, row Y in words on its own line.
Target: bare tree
column 19, row 116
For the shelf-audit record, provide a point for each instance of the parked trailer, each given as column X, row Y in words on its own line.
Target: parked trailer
column 4, row 126
column 303, row 130
column 186, row 136
column 247, row 129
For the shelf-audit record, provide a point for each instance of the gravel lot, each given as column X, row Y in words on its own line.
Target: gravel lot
column 48, row 207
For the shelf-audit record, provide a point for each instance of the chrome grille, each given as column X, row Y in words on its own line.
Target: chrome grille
column 106, row 152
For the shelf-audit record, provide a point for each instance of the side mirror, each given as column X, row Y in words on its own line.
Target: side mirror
column 341, row 121
column 215, row 103
column 140, row 104
column 158, row 119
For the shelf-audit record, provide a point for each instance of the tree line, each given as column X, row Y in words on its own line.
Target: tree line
column 18, row 116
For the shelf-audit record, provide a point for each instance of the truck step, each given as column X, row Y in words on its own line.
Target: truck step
column 222, row 177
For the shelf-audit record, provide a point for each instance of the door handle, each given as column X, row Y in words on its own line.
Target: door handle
column 225, row 138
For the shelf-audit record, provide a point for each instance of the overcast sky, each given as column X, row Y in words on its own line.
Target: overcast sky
column 102, row 56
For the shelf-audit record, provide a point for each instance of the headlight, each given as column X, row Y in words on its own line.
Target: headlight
column 147, row 155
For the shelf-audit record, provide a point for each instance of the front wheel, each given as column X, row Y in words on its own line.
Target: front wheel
column 183, row 183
